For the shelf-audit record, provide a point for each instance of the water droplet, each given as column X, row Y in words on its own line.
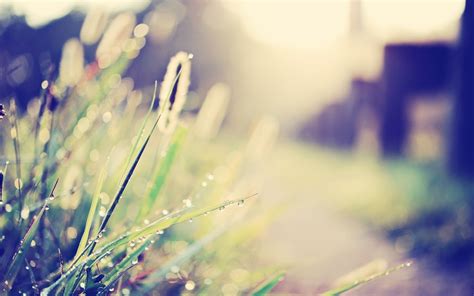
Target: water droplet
column 146, row 222
column 82, row 285
column 190, row 285
column 111, row 289
column 187, row 203
column 165, row 212
column 134, row 261
column 44, row 84
column 210, row 177
column 191, row 220
column 132, row 244
column 204, row 184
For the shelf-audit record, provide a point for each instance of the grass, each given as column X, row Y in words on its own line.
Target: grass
column 162, row 232
column 96, row 134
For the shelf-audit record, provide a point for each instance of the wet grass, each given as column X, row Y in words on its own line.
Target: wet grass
column 99, row 134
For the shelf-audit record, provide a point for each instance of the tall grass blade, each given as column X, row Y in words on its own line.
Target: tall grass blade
column 162, row 171
column 19, row 256
column 92, row 210
column 140, row 132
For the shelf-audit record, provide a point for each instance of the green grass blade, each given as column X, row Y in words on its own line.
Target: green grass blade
column 355, row 284
column 130, row 260
column 268, row 285
column 92, row 210
column 19, row 256
column 140, row 132
column 154, row 278
column 162, row 171
column 160, row 224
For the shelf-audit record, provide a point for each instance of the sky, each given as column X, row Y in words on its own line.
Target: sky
column 292, row 23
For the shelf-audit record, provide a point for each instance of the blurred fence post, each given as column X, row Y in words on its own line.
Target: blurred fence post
column 461, row 152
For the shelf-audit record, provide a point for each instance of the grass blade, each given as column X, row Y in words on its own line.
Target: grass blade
column 160, row 224
column 159, row 177
column 92, row 210
column 140, row 132
column 351, row 286
column 268, row 285
column 19, row 256
column 129, row 261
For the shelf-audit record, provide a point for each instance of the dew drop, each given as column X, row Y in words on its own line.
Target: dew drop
column 187, row 203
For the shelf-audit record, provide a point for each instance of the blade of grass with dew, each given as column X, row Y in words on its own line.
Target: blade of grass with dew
column 16, row 145
column 92, row 210
column 268, row 285
column 162, row 171
column 153, row 279
column 76, row 275
column 130, row 260
column 116, row 200
column 160, row 224
column 124, row 184
column 140, row 132
column 3, row 174
column 351, row 286
column 244, row 232
column 19, row 256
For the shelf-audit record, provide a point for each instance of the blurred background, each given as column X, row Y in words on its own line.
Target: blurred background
column 375, row 101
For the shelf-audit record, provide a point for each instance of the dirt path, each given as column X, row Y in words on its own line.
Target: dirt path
column 320, row 245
